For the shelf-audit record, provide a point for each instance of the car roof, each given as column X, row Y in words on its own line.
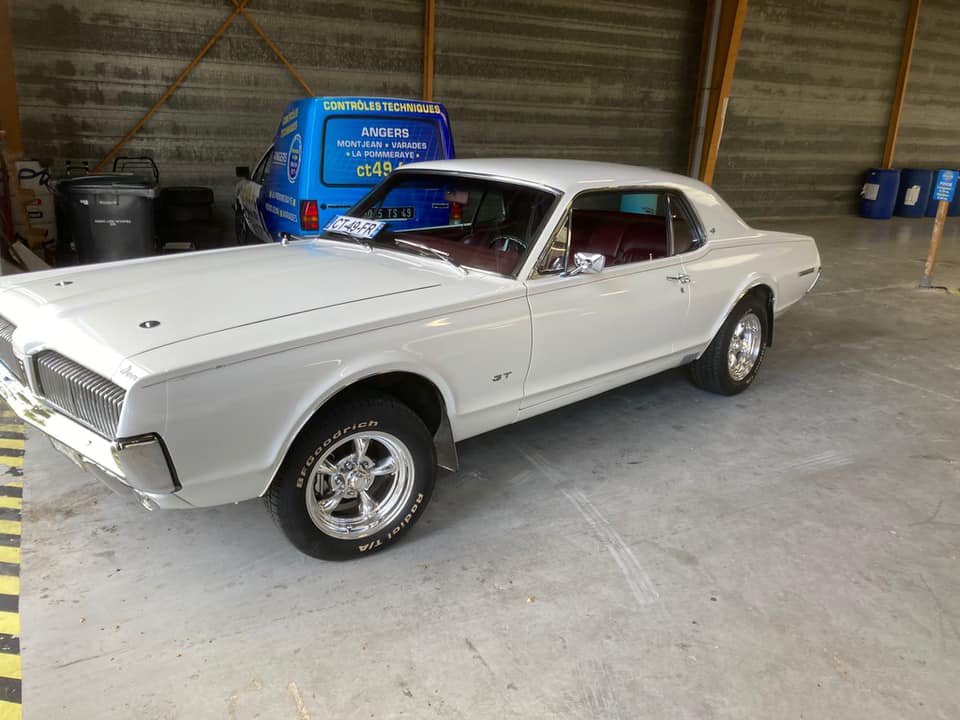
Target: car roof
column 574, row 176
column 564, row 175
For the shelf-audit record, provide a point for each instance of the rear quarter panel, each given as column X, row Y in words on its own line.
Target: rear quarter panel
column 723, row 271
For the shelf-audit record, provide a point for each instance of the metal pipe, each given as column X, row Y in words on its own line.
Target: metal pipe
column 705, row 91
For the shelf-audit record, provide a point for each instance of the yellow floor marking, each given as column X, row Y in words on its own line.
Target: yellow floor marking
column 10, row 527
column 10, row 711
column 10, row 666
column 10, row 555
column 13, row 443
column 15, row 483
column 9, row 585
column 18, row 427
column 11, row 461
column 10, row 623
column 11, row 502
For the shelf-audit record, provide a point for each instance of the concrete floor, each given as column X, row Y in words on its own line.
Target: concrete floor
column 656, row 552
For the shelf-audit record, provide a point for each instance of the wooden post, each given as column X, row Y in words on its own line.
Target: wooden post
column 893, row 127
column 935, row 238
column 732, row 16
column 9, row 109
column 429, row 37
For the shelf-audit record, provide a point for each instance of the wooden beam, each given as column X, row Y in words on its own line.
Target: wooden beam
column 273, row 46
column 733, row 13
column 211, row 41
column 906, row 58
column 429, row 38
column 9, row 109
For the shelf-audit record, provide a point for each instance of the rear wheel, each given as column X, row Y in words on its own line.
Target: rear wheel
column 730, row 363
column 356, row 480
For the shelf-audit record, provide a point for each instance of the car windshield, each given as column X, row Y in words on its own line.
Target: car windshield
column 477, row 223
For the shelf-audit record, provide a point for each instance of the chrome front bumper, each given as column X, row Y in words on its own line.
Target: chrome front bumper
column 139, row 465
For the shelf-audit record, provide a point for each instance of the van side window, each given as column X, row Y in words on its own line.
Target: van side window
column 260, row 172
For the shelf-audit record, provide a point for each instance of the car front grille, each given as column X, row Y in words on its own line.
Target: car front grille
column 80, row 393
column 6, row 349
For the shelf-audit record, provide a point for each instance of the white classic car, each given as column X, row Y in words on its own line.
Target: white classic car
column 333, row 375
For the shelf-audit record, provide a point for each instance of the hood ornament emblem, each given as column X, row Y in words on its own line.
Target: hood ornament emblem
column 147, row 324
column 63, row 283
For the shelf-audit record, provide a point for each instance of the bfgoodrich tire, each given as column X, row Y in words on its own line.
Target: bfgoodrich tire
column 356, row 480
column 730, row 363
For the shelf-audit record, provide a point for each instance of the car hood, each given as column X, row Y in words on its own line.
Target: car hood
column 125, row 308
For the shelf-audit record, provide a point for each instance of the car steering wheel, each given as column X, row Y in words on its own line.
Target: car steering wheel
column 504, row 243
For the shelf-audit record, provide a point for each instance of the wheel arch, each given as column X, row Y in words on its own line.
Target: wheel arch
column 763, row 291
column 762, row 286
column 428, row 397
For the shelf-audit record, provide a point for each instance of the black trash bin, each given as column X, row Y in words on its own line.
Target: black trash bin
column 107, row 217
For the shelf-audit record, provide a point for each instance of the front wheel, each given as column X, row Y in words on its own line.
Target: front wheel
column 356, row 480
column 730, row 363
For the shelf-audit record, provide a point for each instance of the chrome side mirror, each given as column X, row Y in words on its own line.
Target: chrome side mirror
column 587, row 263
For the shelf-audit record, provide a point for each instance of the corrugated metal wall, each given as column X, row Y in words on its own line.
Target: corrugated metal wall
column 605, row 80
column 562, row 78
column 88, row 69
column 810, row 104
column 930, row 127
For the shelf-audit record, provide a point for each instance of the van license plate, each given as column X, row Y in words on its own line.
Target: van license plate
column 395, row 213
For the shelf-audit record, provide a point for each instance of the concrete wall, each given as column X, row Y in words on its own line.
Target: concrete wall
column 562, row 78
column 930, row 127
column 88, row 69
column 810, row 104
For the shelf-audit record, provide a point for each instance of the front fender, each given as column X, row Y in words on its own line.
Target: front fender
column 229, row 428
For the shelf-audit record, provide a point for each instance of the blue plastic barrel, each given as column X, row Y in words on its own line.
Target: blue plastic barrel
column 914, row 193
column 879, row 193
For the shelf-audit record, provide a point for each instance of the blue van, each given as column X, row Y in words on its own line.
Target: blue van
column 327, row 154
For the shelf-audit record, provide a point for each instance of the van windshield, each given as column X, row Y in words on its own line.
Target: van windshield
column 483, row 224
column 361, row 150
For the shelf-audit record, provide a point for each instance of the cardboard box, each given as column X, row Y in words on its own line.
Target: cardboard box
column 38, row 208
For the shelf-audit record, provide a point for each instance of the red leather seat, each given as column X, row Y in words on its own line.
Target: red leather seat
column 620, row 237
column 644, row 240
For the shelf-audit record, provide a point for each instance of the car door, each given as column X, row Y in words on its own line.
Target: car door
column 596, row 330
column 250, row 197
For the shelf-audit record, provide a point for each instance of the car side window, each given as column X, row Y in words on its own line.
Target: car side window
column 685, row 231
column 554, row 258
column 624, row 226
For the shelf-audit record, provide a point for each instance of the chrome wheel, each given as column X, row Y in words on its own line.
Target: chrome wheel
column 745, row 345
column 360, row 485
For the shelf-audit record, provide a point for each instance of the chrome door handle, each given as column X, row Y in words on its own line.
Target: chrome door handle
column 682, row 279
